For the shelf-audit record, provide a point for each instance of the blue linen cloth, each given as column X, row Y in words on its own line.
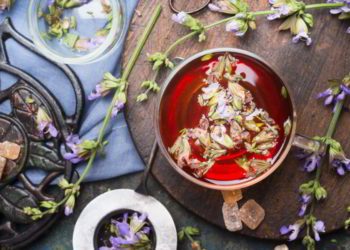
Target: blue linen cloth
column 121, row 156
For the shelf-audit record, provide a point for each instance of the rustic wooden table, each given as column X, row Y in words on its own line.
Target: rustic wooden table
column 304, row 69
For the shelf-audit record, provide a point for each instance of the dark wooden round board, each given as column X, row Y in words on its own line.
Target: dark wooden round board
column 305, row 69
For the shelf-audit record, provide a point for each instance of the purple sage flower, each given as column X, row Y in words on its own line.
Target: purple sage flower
column 343, row 9
column 73, row 142
column 85, row 44
column 341, row 165
column 305, row 201
column 103, row 88
column 328, row 95
column 45, row 124
column 334, row 94
column 293, row 230
column 80, row 149
column 302, row 37
column 312, row 160
column 180, row 17
column 318, row 227
column 283, row 10
column 131, row 230
column 117, row 108
column 238, row 26
column 69, row 205
column 68, row 210
column 214, row 7
column 229, row 7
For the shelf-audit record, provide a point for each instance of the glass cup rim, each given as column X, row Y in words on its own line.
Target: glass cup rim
column 102, row 51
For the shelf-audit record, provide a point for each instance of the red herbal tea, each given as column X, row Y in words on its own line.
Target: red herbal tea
column 225, row 118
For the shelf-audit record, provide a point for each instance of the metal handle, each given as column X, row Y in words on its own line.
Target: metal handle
column 308, row 144
column 174, row 9
column 142, row 188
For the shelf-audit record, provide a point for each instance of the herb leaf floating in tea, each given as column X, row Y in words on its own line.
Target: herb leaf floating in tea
column 126, row 231
column 234, row 128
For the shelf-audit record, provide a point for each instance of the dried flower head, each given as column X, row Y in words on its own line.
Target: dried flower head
column 240, row 24
column 312, row 160
column 296, row 20
column 80, row 149
column 337, row 91
column 293, row 230
column 108, row 83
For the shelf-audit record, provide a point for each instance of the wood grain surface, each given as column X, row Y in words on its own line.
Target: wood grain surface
column 305, row 69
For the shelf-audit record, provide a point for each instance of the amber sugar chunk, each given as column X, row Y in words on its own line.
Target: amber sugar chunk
column 10, row 150
column 231, row 197
column 252, row 214
column 231, row 217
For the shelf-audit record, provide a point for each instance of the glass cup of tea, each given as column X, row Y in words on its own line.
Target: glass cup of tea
column 225, row 120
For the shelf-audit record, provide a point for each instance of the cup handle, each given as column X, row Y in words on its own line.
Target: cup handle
column 308, row 144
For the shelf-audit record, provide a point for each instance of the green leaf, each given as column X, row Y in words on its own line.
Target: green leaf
column 300, row 26
column 192, row 231
column 334, row 241
column 288, row 23
column 48, row 204
column 344, row 16
column 206, row 57
column 284, row 92
column 70, row 39
column 320, row 193
column 309, row 19
column 181, row 235
column 347, row 224
column 73, row 22
column 309, row 242
column 142, row 97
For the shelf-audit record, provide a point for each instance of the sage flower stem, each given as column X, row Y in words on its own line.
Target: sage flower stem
column 330, row 132
column 335, row 118
column 256, row 13
column 125, row 75
column 189, row 35
column 323, row 5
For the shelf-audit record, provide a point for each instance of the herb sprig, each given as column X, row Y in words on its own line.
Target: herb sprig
column 312, row 191
column 88, row 149
column 189, row 232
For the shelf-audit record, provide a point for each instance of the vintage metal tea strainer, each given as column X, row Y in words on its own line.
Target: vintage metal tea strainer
column 84, row 236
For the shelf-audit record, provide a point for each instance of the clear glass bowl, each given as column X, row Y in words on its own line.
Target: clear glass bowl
column 81, row 43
